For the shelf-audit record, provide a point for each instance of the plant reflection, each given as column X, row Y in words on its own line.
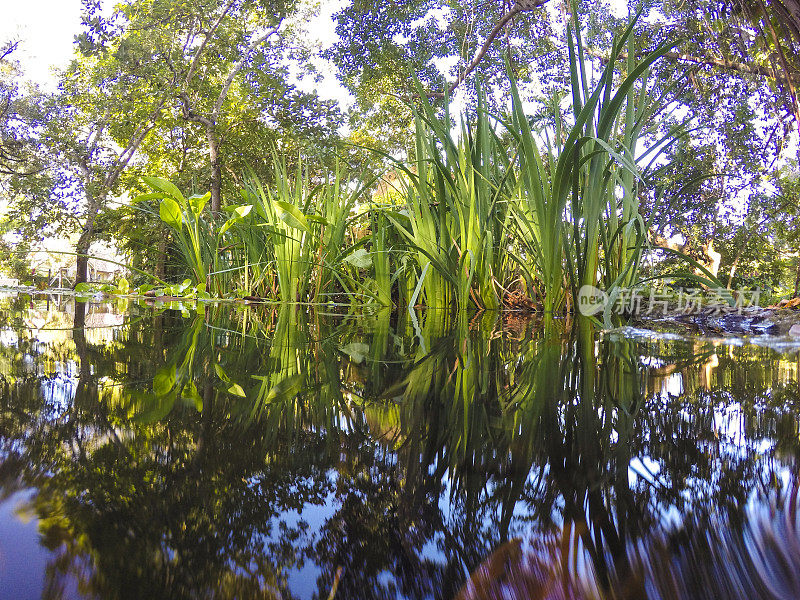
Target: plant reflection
column 249, row 453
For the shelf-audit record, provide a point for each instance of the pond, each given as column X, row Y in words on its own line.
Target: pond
column 278, row 452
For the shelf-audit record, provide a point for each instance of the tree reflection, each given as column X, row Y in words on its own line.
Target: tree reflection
column 219, row 454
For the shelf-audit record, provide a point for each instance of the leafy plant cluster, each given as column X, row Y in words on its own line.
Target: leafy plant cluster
column 502, row 206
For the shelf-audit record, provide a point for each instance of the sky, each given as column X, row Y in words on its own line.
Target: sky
column 46, row 29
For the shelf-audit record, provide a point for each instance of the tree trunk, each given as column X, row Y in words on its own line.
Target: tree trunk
column 216, row 168
column 162, row 256
column 82, row 263
column 797, row 280
column 86, row 239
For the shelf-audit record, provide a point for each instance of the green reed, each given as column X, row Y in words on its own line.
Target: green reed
column 559, row 205
column 456, row 218
column 578, row 202
column 291, row 240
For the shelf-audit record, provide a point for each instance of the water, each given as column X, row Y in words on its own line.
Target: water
column 239, row 452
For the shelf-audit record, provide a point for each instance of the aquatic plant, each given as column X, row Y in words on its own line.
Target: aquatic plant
column 557, row 205
column 578, row 202
column 185, row 217
column 456, row 214
column 287, row 241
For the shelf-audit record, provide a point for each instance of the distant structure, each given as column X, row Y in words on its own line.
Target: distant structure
column 58, row 267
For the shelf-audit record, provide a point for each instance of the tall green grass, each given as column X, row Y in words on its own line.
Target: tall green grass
column 289, row 240
column 556, row 206
column 578, row 202
column 456, row 214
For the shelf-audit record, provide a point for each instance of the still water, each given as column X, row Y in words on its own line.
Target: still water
column 263, row 452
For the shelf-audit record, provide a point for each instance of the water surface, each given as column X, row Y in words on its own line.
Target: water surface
column 256, row 452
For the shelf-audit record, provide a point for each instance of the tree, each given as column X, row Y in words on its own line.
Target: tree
column 234, row 103
column 383, row 48
column 19, row 156
column 12, row 149
column 740, row 59
column 153, row 71
column 736, row 61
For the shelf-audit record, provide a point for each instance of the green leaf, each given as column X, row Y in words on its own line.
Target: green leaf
column 145, row 197
column 239, row 213
column 318, row 219
column 165, row 187
column 170, row 213
column 285, row 388
column 221, row 373
column 360, row 259
column 83, row 287
column 197, row 203
column 164, row 381
column 155, row 408
column 292, row 216
column 190, row 392
column 357, row 351
column 237, row 390
column 228, row 224
column 243, row 210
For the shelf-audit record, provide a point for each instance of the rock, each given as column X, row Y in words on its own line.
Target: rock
column 782, row 320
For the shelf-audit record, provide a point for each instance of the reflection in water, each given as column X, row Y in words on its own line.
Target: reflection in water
column 257, row 452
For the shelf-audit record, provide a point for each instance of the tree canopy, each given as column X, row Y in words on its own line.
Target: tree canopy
column 203, row 92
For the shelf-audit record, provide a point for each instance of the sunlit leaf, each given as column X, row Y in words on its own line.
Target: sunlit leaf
column 197, row 202
column 221, row 373
column 166, row 187
column 237, row 390
column 292, row 216
column 170, row 213
column 190, row 392
column 360, row 259
column 146, row 197
column 243, row 210
column 164, row 381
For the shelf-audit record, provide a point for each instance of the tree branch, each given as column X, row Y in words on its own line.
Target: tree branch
column 709, row 62
column 7, row 49
column 520, row 6
column 189, row 114
column 237, row 66
column 207, row 36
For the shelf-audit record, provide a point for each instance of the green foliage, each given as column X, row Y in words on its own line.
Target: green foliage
column 455, row 217
column 477, row 208
column 288, row 241
column 382, row 49
column 185, row 218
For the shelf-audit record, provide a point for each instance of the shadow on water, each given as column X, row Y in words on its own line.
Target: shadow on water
column 259, row 452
